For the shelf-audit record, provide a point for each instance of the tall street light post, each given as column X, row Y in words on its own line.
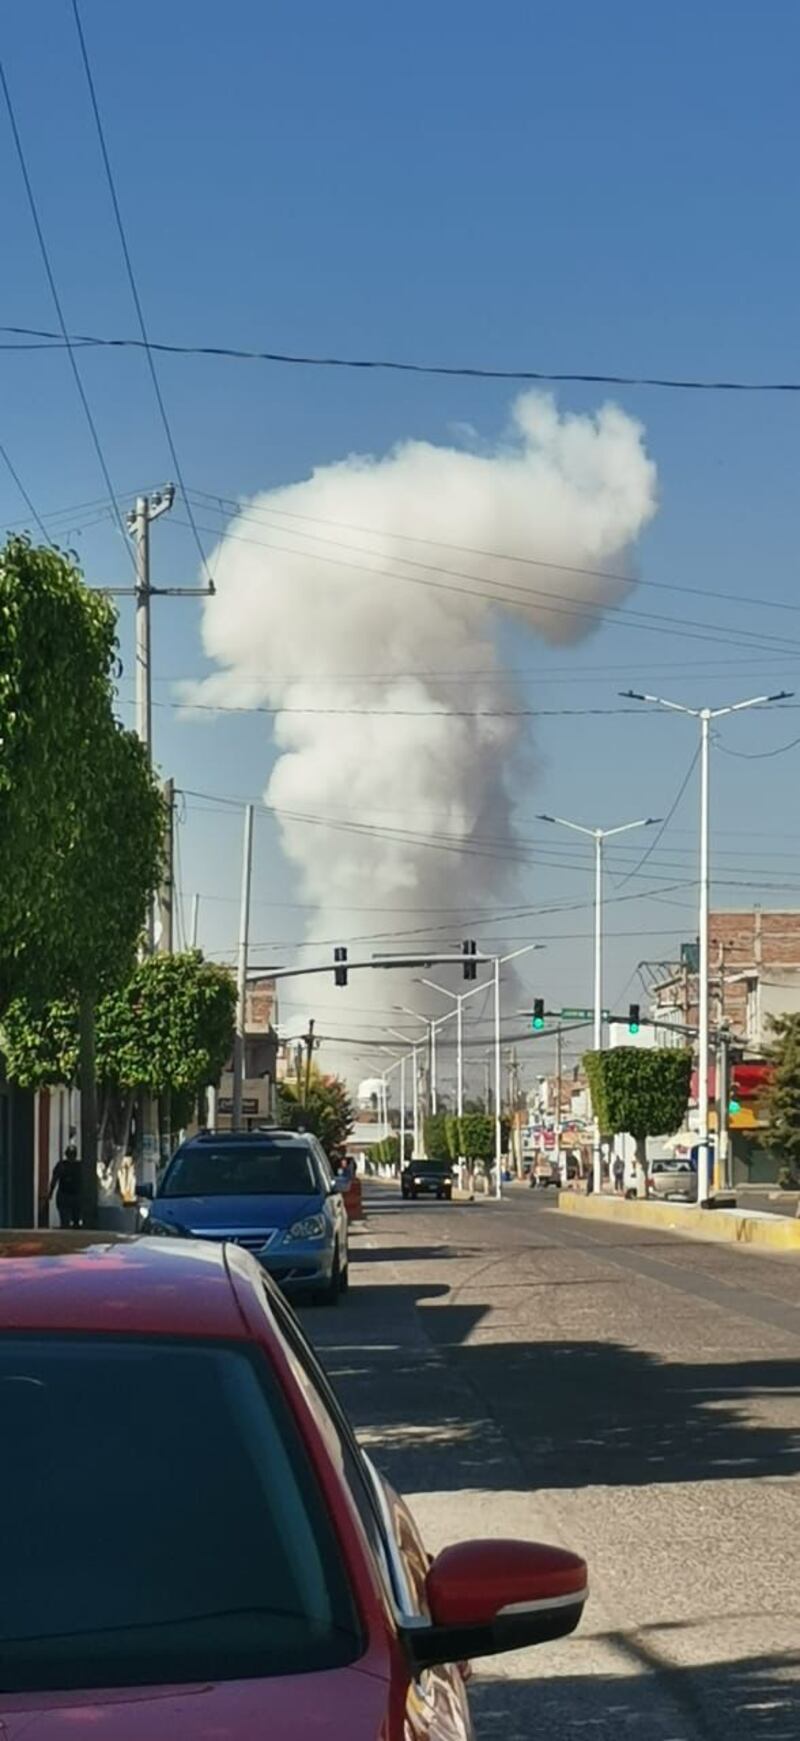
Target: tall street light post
column 599, row 836
column 705, row 716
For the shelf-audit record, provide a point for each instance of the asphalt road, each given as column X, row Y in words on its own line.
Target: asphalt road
column 635, row 1396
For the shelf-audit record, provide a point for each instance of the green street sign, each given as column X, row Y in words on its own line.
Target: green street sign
column 581, row 1015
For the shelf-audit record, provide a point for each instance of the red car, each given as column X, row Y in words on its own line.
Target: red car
column 193, row 1543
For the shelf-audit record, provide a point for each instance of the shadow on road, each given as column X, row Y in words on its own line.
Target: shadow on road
column 755, row 1699
column 571, row 1413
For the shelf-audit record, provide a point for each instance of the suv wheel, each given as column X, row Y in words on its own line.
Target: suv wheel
column 329, row 1296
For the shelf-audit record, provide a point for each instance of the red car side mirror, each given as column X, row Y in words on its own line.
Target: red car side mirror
column 489, row 1596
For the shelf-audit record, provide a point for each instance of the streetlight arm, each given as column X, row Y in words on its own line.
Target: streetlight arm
column 754, row 701
column 442, row 988
column 563, row 823
column 644, row 822
column 658, row 701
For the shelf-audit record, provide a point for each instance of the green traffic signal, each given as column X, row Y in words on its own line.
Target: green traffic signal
column 633, row 1018
column 538, row 1014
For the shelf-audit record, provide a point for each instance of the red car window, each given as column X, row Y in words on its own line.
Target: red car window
column 166, row 1522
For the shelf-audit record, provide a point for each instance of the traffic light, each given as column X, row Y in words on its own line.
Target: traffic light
column 470, row 967
column 538, row 1014
column 633, row 1018
column 340, row 970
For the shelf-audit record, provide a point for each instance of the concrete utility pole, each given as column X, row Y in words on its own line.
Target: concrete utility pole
column 557, row 1118
column 705, row 715
column 241, row 978
column 148, row 509
column 195, row 919
column 309, row 1045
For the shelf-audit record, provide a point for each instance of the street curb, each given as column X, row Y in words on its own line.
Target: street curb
column 772, row 1233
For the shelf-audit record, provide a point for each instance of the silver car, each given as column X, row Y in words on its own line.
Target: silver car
column 672, row 1178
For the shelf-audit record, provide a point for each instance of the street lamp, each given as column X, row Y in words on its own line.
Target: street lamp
column 497, row 961
column 705, row 716
column 599, row 836
column 395, row 1032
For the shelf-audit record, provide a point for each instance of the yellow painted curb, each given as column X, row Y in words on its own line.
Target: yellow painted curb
column 779, row 1233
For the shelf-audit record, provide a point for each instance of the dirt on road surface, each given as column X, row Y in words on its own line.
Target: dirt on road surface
column 632, row 1395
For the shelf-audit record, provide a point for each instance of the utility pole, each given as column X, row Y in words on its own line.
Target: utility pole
column 195, row 919
column 166, row 892
column 309, row 1045
column 241, row 982
column 148, row 509
column 557, row 1118
column 498, row 1086
column 402, row 1111
column 723, row 1169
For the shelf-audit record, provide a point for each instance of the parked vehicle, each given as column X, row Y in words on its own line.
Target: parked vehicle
column 672, row 1178
column 427, row 1179
column 197, row 1544
column 544, row 1171
column 270, row 1191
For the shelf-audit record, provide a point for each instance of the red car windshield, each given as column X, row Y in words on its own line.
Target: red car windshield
column 162, row 1523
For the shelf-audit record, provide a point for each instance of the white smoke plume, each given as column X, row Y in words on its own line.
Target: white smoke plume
column 340, row 613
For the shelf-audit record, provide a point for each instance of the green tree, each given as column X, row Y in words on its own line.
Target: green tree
column 643, row 1092
column 57, row 654
column 477, row 1137
column 168, row 1029
column 435, row 1137
column 327, row 1111
column 781, row 1101
column 81, row 818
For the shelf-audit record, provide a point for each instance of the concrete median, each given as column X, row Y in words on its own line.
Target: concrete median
column 731, row 1226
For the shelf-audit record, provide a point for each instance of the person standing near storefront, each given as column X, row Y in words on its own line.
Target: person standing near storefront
column 65, row 1185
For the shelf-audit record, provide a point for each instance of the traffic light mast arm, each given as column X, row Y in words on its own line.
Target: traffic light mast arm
column 372, row 961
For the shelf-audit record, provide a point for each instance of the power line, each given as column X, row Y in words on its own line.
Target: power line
column 666, row 822
column 758, row 755
column 506, row 592
column 394, row 365
column 24, row 494
column 60, row 313
column 126, row 253
column 229, row 506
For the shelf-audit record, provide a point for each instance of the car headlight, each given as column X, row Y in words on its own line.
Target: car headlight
column 144, row 1211
column 311, row 1227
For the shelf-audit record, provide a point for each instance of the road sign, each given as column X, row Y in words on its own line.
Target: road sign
column 581, row 1015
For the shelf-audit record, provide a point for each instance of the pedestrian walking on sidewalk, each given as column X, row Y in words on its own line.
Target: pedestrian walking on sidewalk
column 618, row 1169
column 66, row 1186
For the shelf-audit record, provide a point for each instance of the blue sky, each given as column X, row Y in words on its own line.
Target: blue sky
column 558, row 186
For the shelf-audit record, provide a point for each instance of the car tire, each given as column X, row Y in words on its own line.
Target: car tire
column 330, row 1295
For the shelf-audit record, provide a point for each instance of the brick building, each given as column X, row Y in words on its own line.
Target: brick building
column 754, row 965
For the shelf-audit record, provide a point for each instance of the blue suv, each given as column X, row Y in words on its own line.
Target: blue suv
column 271, row 1191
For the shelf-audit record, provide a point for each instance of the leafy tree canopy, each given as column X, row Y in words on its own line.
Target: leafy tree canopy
column 643, row 1092
column 437, row 1147
column 782, row 1099
column 327, row 1112
column 80, row 815
column 169, row 1028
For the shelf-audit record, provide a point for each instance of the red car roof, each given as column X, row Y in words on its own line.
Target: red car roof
column 94, row 1281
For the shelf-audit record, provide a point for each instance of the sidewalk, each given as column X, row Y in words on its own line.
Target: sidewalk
column 753, row 1228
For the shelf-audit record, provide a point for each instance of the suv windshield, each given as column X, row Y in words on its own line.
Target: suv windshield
column 273, row 1169
column 224, row 1563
